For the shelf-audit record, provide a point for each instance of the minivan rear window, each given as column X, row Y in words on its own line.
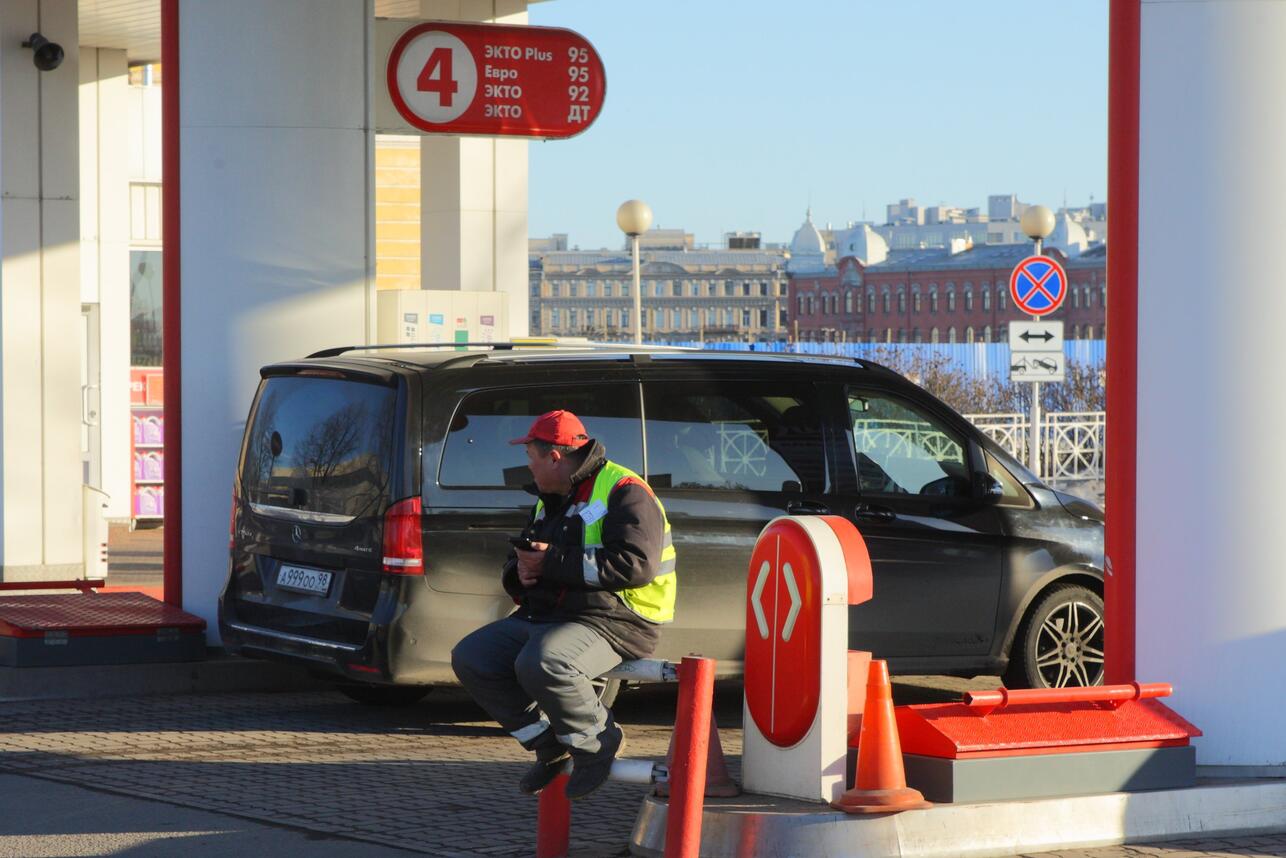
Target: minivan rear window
column 319, row 448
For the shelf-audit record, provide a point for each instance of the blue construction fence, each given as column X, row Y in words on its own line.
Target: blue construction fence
column 978, row 359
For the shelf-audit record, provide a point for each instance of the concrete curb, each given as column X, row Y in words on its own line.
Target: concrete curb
column 218, row 673
column 779, row 828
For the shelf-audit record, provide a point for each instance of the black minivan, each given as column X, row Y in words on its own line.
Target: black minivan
column 376, row 492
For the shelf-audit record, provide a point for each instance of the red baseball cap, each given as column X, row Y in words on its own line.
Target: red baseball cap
column 556, row 427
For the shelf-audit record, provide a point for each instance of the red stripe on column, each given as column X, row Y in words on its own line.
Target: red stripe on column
column 170, row 238
column 1123, row 335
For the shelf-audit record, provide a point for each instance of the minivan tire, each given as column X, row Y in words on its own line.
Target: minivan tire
column 1065, row 626
column 384, row 695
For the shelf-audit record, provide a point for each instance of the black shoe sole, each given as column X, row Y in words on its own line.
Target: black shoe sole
column 559, row 765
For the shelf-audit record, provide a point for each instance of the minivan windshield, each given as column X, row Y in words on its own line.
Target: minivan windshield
column 318, row 448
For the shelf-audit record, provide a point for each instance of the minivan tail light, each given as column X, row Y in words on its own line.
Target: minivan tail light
column 232, row 522
column 403, row 542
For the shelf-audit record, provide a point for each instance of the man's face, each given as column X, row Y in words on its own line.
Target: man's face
column 546, row 468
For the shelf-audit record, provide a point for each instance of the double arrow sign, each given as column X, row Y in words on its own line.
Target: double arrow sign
column 757, row 604
column 1036, row 350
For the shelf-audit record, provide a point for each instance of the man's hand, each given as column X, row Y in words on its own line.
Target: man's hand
column 531, row 564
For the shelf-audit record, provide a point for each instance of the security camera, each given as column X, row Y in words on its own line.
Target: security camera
column 47, row 55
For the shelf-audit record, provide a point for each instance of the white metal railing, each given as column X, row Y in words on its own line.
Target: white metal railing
column 1072, row 442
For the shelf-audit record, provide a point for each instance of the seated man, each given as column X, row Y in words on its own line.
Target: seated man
column 593, row 582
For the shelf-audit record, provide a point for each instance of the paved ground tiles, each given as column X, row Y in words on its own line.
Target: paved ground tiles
column 430, row 778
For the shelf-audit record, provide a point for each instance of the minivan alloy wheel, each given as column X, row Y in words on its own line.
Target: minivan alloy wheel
column 1069, row 648
column 1061, row 641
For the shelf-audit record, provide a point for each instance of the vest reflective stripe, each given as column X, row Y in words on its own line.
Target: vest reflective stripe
column 653, row 601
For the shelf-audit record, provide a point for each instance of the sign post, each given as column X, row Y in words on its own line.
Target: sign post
column 444, row 77
column 1037, row 285
column 804, row 573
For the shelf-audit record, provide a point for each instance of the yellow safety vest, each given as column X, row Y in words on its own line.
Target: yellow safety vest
column 653, row 601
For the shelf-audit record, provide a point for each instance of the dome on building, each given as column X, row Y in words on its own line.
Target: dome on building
column 864, row 243
column 1068, row 236
column 807, row 250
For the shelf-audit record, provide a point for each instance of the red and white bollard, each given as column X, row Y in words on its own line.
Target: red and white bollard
column 686, row 773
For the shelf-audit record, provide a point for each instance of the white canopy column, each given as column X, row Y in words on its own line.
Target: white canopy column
column 1211, row 596
column 40, row 394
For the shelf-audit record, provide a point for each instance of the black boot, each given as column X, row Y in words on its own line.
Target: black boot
column 590, row 770
column 551, row 759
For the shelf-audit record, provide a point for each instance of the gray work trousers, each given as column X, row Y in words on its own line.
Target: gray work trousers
column 530, row 676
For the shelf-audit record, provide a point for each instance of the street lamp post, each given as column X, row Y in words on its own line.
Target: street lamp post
column 634, row 217
column 1037, row 222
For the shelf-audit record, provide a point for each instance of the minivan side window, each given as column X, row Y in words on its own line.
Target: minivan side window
column 902, row 450
column 735, row 436
column 477, row 453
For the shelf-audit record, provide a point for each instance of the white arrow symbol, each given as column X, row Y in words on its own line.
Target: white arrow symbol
column 795, row 603
column 755, row 595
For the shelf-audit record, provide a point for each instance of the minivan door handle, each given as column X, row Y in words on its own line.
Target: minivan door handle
column 803, row 507
column 871, row 511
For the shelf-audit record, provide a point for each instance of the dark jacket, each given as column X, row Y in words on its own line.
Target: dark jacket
column 633, row 534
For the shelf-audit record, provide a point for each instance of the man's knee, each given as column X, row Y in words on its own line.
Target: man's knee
column 472, row 657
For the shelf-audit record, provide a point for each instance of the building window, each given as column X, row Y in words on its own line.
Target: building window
column 535, row 292
column 915, row 299
column 915, row 336
column 968, row 292
column 986, row 333
column 848, row 302
column 573, row 318
column 951, row 299
column 1089, row 332
column 886, row 301
column 1076, row 332
column 745, row 319
column 1102, row 295
column 901, row 335
column 625, row 290
column 763, row 289
column 676, row 289
column 933, row 335
column 1001, row 300
column 969, row 334
column 901, row 301
column 986, row 298
column 591, row 289
column 801, row 305
column 951, row 334
column 607, row 288
column 571, row 290
column 1089, row 298
column 554, row 322
column 933, row 299
column 812, row 305
column 625, row 318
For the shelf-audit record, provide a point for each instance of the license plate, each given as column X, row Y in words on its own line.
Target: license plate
column 303, row 580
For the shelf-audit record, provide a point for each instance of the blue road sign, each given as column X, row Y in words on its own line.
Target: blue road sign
column 1038, row 285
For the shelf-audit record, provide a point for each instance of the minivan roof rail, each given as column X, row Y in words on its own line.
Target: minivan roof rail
column 509, row 345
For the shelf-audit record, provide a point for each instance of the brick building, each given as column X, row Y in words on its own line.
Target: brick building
column 948, row 295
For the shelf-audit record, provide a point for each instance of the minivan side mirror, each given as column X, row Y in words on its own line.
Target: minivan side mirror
column 990, row 488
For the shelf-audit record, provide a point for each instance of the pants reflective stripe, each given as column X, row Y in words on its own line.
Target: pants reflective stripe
column 589, row 568
column 531, row 731
column 586, row 737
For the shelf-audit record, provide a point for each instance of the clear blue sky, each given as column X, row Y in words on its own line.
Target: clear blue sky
column 735, row 114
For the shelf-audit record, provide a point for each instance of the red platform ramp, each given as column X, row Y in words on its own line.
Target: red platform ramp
column 1027, row 744
column 64, row 629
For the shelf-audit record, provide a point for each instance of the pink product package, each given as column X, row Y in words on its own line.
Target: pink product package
column 149, row 465
column 149, row 500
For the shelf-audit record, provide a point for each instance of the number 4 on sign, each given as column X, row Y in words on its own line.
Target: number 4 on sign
column 444, row 84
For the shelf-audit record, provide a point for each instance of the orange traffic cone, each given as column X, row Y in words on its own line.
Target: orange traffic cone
column 718, row 782
column 880, row 785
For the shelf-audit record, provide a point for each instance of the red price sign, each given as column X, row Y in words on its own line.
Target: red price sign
column 491, row 79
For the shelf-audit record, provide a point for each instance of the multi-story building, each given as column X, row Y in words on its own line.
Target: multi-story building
column 947, row 295
column 686, row 294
